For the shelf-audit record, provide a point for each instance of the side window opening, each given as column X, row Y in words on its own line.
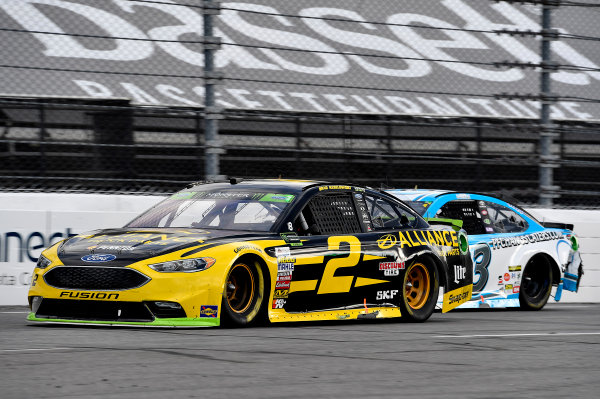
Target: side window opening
column 467, row 211
column 328, row 214
column 504, row 219
column 383, row 215
column 386, row 215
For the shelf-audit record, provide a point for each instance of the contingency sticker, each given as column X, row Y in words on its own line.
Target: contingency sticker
column 277, row 198
column 209, row 311
column 183, row 195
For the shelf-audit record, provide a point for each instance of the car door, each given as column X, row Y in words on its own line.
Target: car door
column 385, row 257
column 503, row 253
column 486, row 222
column 324, row 253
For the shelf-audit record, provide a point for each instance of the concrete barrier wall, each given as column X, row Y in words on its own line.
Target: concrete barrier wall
column 587, row 228
column 31, row 222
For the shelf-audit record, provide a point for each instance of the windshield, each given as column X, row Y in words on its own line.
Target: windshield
column 419, row 206
column 221, row 210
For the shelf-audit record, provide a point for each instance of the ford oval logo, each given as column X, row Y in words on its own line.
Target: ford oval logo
column 98, row 258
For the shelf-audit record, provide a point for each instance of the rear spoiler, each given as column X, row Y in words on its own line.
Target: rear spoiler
column 556, row 225
column 456, row 224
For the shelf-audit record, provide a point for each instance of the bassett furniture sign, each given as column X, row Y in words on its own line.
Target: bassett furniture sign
column 311, row 55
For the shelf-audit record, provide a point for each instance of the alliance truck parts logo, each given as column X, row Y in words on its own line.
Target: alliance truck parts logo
column 417, row 238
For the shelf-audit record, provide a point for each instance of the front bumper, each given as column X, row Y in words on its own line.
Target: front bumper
column 165, row 300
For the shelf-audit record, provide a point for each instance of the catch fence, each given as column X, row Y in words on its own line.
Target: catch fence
column 126, row 96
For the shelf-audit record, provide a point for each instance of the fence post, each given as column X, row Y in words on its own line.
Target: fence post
column 43, row 136
column 212, row 113
column 548, row 161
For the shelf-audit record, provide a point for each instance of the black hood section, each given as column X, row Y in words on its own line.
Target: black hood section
column 122, row 247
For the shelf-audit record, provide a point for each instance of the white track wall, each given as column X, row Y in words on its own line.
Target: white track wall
column 30, row 222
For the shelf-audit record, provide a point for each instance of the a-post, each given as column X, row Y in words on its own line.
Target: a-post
column 212, row 113
column 548, row 161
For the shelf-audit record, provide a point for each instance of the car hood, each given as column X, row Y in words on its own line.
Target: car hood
column 121, row 247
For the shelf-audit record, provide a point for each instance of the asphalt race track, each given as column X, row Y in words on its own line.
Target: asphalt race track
column 554, row 353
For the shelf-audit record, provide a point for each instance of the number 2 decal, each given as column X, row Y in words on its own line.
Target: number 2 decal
column 482, row 255
column 331, row 284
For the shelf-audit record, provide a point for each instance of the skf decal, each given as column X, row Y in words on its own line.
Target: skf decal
column 456, row 297
column 88, row 295
column 389, row 294
column 209, row 311
column 278, row 303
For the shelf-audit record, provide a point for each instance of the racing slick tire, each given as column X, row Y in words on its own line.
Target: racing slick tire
column 420, row 291
column 536, row 284
column 243, row 294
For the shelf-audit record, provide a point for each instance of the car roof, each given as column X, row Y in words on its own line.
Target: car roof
column 425, row 195
column 287, row 185
column 419, row 194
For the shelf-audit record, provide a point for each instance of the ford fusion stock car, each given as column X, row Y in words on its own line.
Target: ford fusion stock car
column 241, row 251
column 517, row 260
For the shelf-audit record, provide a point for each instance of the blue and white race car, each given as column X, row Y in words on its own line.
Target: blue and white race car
column 517, row 259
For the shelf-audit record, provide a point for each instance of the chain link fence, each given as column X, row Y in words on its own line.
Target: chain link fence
column 108, row 95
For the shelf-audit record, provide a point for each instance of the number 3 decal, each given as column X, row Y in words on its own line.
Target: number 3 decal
column 331, row 284
column 481, row 257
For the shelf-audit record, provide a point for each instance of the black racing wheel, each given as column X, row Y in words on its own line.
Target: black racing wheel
column 536, row 285
column 243, row 294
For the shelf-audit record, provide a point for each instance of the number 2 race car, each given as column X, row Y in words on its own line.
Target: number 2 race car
column 239, row 252
column 517, row 259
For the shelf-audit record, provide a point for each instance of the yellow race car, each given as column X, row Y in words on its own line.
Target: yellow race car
column 239, row 252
